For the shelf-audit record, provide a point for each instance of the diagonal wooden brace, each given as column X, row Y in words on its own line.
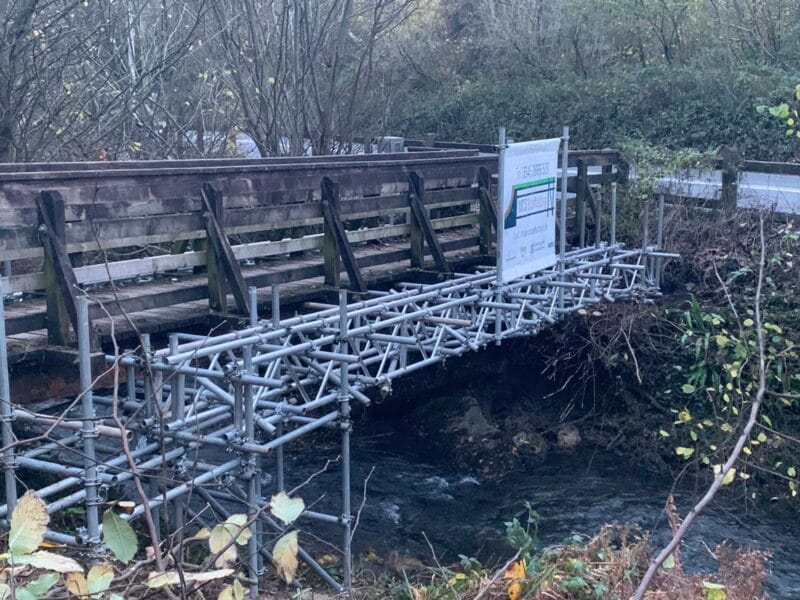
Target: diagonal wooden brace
column 336, row 242
column 223, row 268
column 62, row 286
column 421, row 224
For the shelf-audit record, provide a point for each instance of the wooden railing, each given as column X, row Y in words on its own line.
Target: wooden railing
column 66, row 226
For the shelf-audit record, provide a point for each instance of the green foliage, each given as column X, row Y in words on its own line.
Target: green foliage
column 119, row 536
column 713, row 377
column 786, row 112
column 672, row 106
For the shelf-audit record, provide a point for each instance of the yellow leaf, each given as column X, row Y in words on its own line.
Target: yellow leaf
column 76, row 584
column 221, row 537
column 284, row 555
column 28, row 524
column 48, row 561
column 514, row 590
column 515, row 570
column 419, row 593
column 168, row 578
column 729, row 477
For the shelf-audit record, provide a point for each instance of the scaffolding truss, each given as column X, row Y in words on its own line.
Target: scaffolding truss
column 252, row 391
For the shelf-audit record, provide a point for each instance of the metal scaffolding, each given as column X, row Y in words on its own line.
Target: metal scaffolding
column 251, row 391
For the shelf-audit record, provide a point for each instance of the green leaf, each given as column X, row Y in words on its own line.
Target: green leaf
column 685, row 453
column 669, row 562
column 766, row 420
column 99, row 578
column 688, row 388
column 791, row 472
column 285, row 508
column 119, row 536
column 41, row 584
column 663, row 433
column 28, row 524
column 714, row 591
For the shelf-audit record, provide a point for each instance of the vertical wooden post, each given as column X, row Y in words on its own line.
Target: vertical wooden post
column 330, row 249
column 217, row 287
column 422, row 222
column 488, row 214
column 417, row 235
column 52, row 224
column 580, row 204
column 608, row 171
column 61, row 284
column 730, row 179
column 335, row 227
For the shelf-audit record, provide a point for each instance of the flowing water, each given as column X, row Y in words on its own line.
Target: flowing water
column 414, row 500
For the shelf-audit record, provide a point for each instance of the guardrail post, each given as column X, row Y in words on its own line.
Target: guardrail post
column 580, row 204
column 731, row 160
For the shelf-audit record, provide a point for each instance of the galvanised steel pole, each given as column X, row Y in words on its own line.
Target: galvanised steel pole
column 6, row 415
column 659, row 239
column 562, row 217
column 613, row 233
column 255, row 458
column 89, row 430
column 178, row 413
column 280, row 482
column 345, row 424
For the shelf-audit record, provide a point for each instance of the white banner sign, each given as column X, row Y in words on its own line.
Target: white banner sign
column 527, row 208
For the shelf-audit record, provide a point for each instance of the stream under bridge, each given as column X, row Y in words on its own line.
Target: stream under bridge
column 205, row 418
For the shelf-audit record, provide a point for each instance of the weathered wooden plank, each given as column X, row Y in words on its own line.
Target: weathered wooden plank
column 16, row 243
column 207, row 162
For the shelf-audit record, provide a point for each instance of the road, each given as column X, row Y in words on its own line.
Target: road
column 755, row 189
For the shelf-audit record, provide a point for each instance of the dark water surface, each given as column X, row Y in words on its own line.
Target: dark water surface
column 410, row 496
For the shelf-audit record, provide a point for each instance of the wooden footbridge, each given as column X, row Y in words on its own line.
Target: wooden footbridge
column 323, row 278
column 161, row 246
